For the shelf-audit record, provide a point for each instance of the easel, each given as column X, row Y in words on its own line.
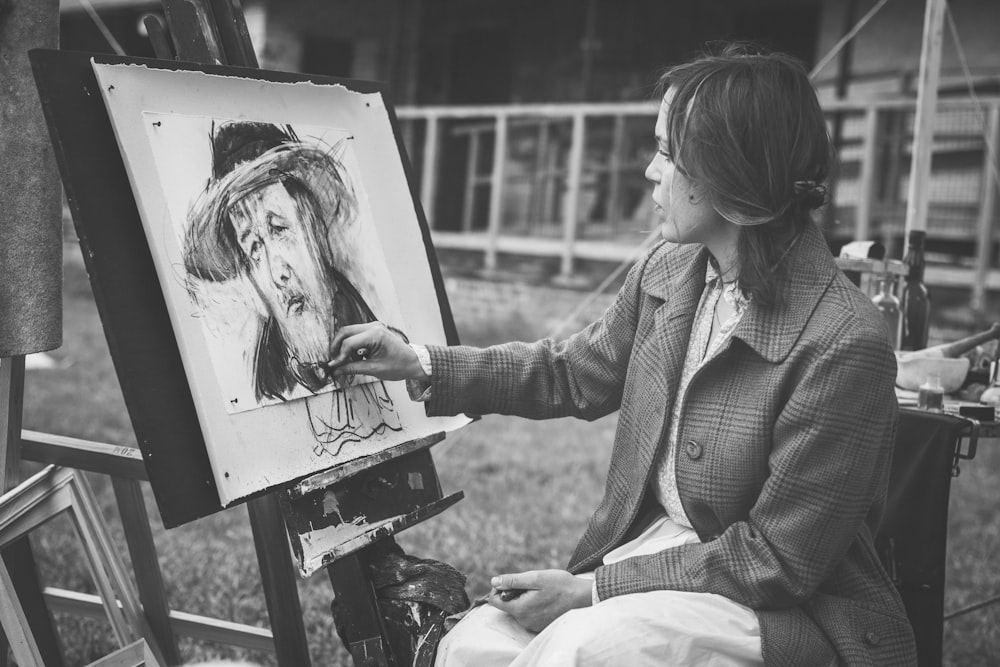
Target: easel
column 215, row 33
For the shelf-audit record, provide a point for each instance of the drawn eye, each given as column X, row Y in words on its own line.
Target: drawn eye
column 277, row 228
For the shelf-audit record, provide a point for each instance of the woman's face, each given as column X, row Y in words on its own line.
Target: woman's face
column 683, row 208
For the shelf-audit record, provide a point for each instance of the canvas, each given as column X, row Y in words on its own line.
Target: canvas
column 275, row 214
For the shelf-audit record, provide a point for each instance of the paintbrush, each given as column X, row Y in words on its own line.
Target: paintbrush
column 360, row 354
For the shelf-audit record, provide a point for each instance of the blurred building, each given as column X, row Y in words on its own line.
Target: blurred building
column 566, row 86
column 523, row 51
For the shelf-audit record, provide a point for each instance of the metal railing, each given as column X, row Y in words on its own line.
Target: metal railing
column 568, row 182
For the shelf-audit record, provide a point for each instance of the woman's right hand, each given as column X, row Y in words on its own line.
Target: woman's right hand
column 373, row 349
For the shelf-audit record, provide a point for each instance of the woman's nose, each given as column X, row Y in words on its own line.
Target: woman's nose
column 653, row 171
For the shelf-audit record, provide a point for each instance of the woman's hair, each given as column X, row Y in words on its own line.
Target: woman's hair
column 746, row 127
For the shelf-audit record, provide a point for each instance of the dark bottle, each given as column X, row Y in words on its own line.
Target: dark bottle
column 916, row 302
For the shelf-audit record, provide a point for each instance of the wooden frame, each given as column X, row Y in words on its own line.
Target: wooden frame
column 42, row 497
column 136, row 654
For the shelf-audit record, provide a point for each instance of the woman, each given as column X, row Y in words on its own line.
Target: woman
column 755, row 385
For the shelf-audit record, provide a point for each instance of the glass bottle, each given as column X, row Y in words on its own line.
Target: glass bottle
column 930, row 395
column 916, row 304
column 888, row 305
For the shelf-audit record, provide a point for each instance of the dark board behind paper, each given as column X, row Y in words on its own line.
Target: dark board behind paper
column 124, row 280
column 126, row 288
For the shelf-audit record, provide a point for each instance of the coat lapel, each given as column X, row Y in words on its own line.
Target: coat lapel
column 771, row 332
column 675, row 317
column 679, row 284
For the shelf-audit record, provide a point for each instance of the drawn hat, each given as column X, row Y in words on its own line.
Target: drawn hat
column 247, row 156
column 244, row 141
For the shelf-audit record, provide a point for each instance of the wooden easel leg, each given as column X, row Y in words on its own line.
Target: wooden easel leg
column 19, row 637
column 145, row 564
column 20, row 562
column 363, row 628
column 11, row 409
column 277, row 573
column 17, row 557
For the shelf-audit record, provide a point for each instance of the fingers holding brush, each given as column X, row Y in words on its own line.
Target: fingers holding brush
column 373, row 349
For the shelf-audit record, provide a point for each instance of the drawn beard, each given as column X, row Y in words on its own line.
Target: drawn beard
column 308, row 337
column 307, row 333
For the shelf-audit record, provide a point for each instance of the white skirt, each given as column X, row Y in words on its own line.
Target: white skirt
column 656, row 628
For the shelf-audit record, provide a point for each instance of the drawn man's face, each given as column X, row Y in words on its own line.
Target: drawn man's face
column 278, row 240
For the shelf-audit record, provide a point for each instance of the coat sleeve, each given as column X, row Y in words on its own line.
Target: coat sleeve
column 828, row 467
column 582, row 376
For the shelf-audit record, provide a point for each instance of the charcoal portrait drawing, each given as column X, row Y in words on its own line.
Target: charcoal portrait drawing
column 270, row 220
column 275, row 213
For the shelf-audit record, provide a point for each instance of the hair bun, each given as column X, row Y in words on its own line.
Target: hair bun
column 810, row 194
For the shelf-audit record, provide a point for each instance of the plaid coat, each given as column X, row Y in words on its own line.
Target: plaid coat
column 784, row 447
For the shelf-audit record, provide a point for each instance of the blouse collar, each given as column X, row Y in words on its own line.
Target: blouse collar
column 731, row 291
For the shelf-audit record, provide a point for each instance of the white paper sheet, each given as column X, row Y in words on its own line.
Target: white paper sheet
column 164, row 122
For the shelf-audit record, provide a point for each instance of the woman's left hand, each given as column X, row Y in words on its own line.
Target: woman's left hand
column 548, row 594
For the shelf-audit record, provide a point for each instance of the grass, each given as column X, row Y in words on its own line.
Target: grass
column 530, row 487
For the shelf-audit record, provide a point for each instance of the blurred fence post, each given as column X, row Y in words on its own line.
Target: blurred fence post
column 614, row 212
column 428, row 172
column 571, row 211
column 918, row 192
column 987, row 211
column 862, row 220
column 471, row 181
column 496, row 191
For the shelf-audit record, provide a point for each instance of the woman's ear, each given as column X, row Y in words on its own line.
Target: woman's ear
column 696, row 191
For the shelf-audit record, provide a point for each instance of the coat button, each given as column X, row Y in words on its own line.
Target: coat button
column 872, row 638
column 693, row 450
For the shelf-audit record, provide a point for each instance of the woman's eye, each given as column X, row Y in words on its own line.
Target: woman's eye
column 666, row 155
